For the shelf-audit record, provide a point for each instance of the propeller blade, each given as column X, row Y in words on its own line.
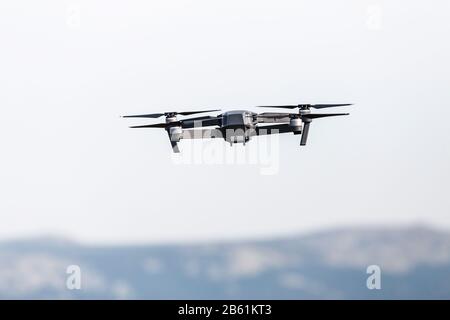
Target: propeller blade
column 307, row 106
column 151, row 115
column 305, row 133
column 170, row 113
column 159, row 125
column 186, row 113
column 187, row 123
column 321, row 106
column 293, row 106
column 316, row 115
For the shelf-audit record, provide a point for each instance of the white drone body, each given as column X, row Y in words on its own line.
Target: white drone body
column 238, row 126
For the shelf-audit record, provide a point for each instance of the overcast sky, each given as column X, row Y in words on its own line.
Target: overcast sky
column 70, row 166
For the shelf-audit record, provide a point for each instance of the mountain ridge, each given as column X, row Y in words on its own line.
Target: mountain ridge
column 331, row 264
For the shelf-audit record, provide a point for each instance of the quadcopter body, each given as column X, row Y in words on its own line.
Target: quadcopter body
column 238, row 126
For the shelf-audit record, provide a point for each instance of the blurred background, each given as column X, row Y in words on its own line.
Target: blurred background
column 80, row 188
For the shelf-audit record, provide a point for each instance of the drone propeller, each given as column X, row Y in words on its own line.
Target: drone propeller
column 159, row 125
column 323, row 115
column 168, row 114
column 168, row 126
column 204, row 121
column 280, row 115
column 304, row 114
column 308, row 106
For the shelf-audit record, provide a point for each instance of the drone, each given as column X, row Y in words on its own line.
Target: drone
column 238, row 126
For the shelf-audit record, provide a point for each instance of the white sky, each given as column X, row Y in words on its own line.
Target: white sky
column 70, row 166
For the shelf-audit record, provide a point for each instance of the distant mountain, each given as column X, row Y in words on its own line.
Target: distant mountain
column 414, row 262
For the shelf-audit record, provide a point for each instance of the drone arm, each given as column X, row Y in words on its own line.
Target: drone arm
column 274, row 117
column 202, row 134
column 273, row 129
column 200, row 122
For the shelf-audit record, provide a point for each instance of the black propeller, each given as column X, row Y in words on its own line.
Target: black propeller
column 323, row 115
column 168, row 114
column 160, row 125
column 308, row 106
column 280, row 115
column 306, row 116
column 204, row 121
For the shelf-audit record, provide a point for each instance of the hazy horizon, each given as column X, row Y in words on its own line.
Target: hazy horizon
column 49, row 237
